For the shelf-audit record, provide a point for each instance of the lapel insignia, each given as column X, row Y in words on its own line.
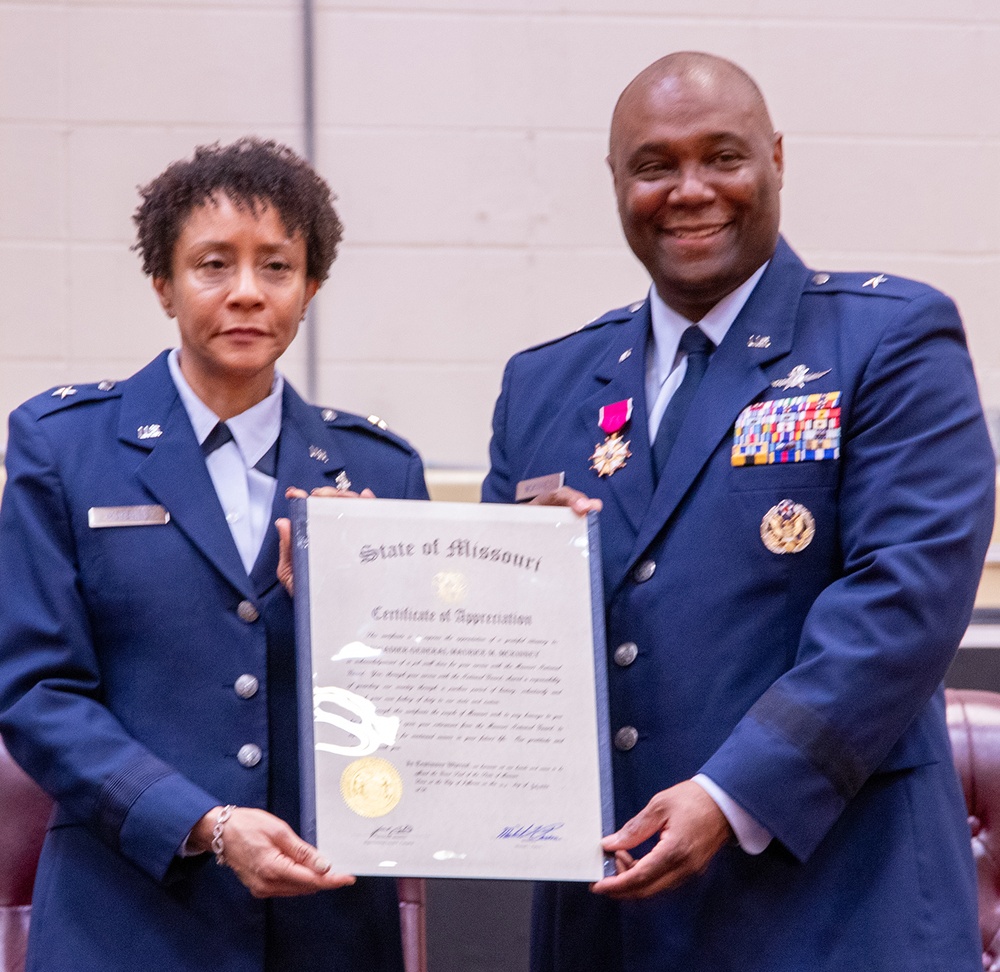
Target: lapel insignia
column 378, row 423
column 315, row 452
column 610, row 455
column 798, row 377
column 64, row 391
column 342, row 482
column 873, row 282
column 149, row 431
column 759, row 341
column 624, row 355
column 787, row 528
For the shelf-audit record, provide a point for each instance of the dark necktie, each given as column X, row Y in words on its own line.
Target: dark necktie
column 697, row 346
column 216, row 439
column 220, row 435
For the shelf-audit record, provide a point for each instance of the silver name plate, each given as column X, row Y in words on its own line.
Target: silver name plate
column 100, row 517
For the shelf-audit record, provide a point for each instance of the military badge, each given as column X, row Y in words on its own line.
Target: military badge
column 798, row 377
column 787, row 528
column 610, row 455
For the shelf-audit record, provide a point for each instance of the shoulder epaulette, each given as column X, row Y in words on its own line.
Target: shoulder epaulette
column 334, row 418
column 70, row 396
column 880, row 284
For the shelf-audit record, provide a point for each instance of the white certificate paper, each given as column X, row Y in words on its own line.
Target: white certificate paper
column 452, row 687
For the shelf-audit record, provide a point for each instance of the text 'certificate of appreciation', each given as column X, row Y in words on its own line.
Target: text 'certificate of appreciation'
column 452, row 687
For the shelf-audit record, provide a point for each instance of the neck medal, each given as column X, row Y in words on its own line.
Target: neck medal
column 611, row 454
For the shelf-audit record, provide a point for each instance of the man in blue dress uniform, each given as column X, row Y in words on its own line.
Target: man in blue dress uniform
column 797, row 495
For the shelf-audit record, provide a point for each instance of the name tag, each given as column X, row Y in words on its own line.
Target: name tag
column 100, row 517
column 530, row 488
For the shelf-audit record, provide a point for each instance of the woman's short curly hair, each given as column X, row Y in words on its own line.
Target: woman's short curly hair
column 252, row 172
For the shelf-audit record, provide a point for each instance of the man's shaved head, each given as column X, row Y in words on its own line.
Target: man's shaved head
column 697, row 169
column 705, row 71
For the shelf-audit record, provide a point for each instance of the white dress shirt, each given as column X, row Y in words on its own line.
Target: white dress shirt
column 245, row 493
column 665, row 369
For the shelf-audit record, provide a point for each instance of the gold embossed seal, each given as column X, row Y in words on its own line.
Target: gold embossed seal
column 787, row 528
column 371, row 786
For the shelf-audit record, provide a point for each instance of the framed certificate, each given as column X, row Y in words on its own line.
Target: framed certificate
column 452, row 689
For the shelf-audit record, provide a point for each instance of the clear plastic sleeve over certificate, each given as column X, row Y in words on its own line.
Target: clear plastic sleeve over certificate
column 452, row 689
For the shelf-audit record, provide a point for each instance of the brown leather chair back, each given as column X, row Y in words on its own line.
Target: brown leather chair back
column 24, row 812
column 974, row 727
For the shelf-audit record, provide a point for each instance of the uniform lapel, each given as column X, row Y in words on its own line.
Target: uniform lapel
column 307, row 458
column 735, row 377
column 620, row 375
column 154, row 419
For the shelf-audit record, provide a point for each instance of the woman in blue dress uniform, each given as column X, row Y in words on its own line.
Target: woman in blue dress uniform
column 147, row 666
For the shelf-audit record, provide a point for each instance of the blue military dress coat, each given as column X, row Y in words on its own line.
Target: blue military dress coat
column 123, row 656
column 805, row 683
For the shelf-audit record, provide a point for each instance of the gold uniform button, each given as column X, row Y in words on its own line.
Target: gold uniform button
column 626, row 738
column 246, row 686
column 247, row 612
column 249, row 755
column 643, row 571
column 626, row 653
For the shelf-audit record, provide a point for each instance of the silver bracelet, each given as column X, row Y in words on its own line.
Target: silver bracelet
column 220, row 823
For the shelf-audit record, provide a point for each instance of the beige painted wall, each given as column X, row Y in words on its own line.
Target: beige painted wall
column 466, row 140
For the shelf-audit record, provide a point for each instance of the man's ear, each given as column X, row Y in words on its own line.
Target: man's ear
column 165, row 291
column 779, row 157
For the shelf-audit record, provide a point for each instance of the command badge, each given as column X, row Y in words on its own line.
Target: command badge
column 787, row 528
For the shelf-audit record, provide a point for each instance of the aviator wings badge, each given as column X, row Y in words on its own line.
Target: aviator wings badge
column 798, row 377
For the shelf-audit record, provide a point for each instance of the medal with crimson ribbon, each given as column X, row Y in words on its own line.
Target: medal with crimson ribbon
column 611, row 454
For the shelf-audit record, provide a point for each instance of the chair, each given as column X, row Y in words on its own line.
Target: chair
column 24, row 812
column 974, row 727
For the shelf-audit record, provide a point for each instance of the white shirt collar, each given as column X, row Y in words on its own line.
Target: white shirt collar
column 668, row 325
column 255, row 430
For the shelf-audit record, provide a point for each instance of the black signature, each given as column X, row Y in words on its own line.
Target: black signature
column 530, row 832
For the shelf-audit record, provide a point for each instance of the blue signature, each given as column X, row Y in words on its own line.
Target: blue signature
column 530, row 832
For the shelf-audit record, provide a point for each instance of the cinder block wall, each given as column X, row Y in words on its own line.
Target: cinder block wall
column 466, row 140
